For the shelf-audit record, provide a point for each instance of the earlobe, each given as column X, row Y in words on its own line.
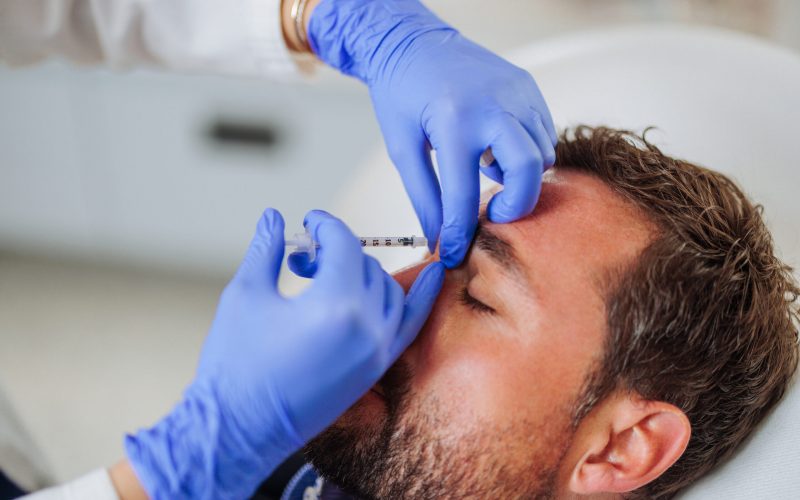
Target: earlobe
column 632, row 442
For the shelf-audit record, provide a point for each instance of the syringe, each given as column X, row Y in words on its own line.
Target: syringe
column 304, row 243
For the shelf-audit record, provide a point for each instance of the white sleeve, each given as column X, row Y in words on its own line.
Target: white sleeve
column 235, row 37
column 93, row 486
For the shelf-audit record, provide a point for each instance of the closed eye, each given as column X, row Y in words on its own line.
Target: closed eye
column 476, row 305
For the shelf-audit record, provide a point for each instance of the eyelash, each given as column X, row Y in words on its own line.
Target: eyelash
column 473, row 303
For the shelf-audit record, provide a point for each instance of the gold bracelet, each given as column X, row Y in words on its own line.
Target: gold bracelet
column 298, row 9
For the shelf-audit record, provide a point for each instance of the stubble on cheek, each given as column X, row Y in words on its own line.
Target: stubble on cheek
column 362, row 425
column 426, row 452
column 410, row 445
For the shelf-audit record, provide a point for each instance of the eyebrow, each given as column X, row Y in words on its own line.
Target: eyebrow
column 498, row 249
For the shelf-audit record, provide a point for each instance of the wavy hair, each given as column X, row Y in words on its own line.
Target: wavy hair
column 706, row 317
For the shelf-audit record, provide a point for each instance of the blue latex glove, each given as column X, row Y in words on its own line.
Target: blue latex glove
column 431, row 87
column 276, row 371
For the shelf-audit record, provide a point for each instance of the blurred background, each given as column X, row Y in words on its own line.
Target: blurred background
column 127, row 200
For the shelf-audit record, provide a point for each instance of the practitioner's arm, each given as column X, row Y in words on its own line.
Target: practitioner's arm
column 125, row 482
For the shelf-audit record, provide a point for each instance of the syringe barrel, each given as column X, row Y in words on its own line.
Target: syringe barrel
column 304, row 243
column 392, row 241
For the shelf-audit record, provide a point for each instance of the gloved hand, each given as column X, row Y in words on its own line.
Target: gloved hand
column 276, row 371
column 431, row 87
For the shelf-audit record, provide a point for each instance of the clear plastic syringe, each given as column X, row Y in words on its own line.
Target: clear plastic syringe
column 304, row 243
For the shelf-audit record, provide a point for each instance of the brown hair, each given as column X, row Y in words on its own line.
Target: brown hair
column 706, row 318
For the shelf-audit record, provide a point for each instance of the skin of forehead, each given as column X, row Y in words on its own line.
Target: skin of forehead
column 579, row 229
column 592, row 212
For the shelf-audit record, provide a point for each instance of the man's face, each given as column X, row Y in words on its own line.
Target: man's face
column 482, row 402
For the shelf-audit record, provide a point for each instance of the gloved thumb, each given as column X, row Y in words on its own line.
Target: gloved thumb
column 300, row 263
column 262, row 263
column 418, row 305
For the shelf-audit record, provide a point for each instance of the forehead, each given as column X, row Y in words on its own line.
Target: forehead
column 552, row 323
column 579, row 230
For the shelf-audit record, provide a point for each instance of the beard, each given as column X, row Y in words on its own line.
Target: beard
column 413, row 452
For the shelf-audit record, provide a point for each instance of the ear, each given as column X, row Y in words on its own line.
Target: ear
column 628, row 442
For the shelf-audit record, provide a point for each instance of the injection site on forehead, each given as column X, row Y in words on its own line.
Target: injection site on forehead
column 499, row 246
column 579, row 223
column 498, row 249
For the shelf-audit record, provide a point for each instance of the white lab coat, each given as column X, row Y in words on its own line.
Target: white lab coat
column 231, row 37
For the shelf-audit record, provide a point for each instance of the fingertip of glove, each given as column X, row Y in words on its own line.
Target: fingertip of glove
column 499, row 210
column 549, row 159
column 454, row 242
column 434, row 274
column 270, row 219
column 427, row 286
column 432, row 235
column 270, row 228
column 315, row 216
column 431, row 245
column 315, row 219
column 451, row 255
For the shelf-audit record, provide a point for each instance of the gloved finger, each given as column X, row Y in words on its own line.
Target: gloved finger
column 489, row 167
column 300, row 263
column 532, row 121
column 417, row 306
column 412, row 157
column 458, row 170
column 494, row 172
column 262, row 262
column 394, row 303
column 549, row 125
column 375, row 288
column 340, row 261
column 538, row 104
column 521, row 162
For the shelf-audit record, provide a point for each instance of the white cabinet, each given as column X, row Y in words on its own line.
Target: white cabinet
column 123, row 167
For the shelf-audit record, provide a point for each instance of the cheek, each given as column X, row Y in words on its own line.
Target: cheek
column 471, row 370
column 471, row 376
column 472, row 384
